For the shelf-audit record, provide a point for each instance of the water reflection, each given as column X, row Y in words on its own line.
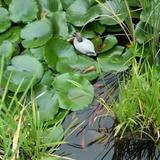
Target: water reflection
column 93, row 138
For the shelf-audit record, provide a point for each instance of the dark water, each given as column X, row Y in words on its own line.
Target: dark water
column 92, row 137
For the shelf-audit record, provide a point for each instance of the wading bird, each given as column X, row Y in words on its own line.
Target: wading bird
column 83, row 45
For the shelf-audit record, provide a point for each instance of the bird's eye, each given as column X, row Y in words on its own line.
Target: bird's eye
column 74, row 34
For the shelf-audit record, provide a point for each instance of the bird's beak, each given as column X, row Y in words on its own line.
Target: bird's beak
column 70, row 39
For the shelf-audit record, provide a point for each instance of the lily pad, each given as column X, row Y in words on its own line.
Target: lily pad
column 24, row 69
column 114, row 12
column 74, row 92
column 59, row 22
column 96, row 27
column 109, row 42
column 67, row 3
column 38, row 53
column 113, row 60
column 36, row 34
column 47, row 102
column 85, row 66
column 12, row 34
column 6, row 49
column 53, row 134
column 142, row 32
column 151, row 14
column 50, row 5
column 88, row 34
column 81, row 8
column 25, row 11
column 134, row 3
column 47, row 78
column 56, row 49
column 5, row 22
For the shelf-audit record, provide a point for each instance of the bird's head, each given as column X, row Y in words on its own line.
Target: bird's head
column 78, row 36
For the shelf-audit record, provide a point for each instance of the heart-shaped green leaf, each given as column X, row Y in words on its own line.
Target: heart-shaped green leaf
column 57, row 48
column 114, row 12
column 74, row 92
column 96, row 27
column 13, row 35
column 67, row 3
column 47, row 78
column 109, row 42
column 88, row 33
column 24, row 11
column 47, row 102
column 53, row 134
column 5, row 22
column 85, row 66
column 134, row 3
column 113, row 60
column 38, row 53
column 60, row 24
column 80, row 8
column 24, row 69
column 50, row 5
column 37, row 33
column 151, row 14
column 6, row 49
column 142, row 32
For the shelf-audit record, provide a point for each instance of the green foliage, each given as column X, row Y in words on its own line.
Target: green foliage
column 24, row 11
column 36, row 34
column 138, row 107
column 54, row 52
column 38, row 61
column 4, row 20
column 113, row 60
column 6, row 49
column 25, row 70
column 76, row 94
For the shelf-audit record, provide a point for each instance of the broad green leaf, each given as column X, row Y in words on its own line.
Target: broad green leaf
column 23, row 69
column 114, row 28
column 151, row 14
column 85, row 66
column 36, row 34
column 50, row 5
column 67, row 3
column 80, row 8
column 59, row 22
column 7, row 2
column 13, row 35
column 97, row 41
column 74, row 92
column 96, row 27
column 114, row 12
column 109, row 42
column 47, row 102
column 47, row 78
column 6, row 49
column 53, row 134
column 5, row 22
column 134, row 3
column 113, row 60
column 38, row 53
column 23, row 11
column 88, row 33
column 57, row 48
column 142, row 32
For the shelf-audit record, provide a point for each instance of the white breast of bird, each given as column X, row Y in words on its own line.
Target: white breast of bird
column 85, row 47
